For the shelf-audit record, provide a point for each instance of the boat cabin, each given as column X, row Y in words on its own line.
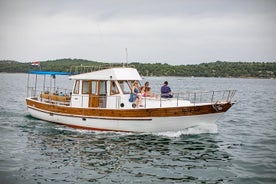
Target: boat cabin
column 109, row 88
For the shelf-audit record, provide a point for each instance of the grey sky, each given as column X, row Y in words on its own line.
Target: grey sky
column 167, row 31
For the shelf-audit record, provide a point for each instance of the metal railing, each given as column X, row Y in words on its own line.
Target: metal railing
column 190, row 98
column 85, row 69
column 207, row 96
column 62, row 97
column 34, row 92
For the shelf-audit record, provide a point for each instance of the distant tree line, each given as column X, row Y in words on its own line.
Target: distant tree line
column 213, row 69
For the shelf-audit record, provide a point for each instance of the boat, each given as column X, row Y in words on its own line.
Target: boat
column 92, row 104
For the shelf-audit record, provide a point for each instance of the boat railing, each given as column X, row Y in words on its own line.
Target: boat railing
column 193, row 98
column 206, row 96
column 33, row 91
column 62, row 97
column 85, row 69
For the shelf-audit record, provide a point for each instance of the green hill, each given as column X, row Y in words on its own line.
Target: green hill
column 213, row 69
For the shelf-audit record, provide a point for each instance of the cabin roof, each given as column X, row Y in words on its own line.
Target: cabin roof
column 109, row 74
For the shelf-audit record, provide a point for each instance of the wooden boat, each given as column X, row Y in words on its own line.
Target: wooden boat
column 93, row 104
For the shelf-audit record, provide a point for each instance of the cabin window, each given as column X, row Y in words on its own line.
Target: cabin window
column 85, row 87
column 94, row 87
column 102, row 88
column 130, row 83
column 125, row 87
column 76, row 88
column 113, row 88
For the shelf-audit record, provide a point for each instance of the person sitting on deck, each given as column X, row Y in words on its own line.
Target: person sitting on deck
column 148, row 91
column 166, row 91
column 143, row 91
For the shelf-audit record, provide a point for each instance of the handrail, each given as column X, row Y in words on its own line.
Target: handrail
column 188, row 98
column 49, row 90
column 84, row 69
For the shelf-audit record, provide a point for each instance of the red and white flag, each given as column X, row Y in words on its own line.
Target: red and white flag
column 36, row 63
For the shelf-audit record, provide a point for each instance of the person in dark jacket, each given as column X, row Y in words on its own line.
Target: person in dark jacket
column 166, row 91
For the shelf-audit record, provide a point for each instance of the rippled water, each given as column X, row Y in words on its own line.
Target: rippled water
column 240, row 149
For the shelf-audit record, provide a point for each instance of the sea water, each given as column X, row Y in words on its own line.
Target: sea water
column 240, row 148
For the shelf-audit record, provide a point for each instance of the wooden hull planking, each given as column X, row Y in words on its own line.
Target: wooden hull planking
column 128, row 120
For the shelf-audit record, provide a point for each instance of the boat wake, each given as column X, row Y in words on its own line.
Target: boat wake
column 203, row 129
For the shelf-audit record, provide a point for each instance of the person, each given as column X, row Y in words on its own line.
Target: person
column 148, row 91
column 147, row 85
column 114, row 89
column 134, row 94
column 143, row 91
column 166, row 91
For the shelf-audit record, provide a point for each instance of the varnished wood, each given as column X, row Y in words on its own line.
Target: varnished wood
column 55, row 97
column 93, row 100
column 128, row 113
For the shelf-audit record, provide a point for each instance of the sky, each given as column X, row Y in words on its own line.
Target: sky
column 153, row 31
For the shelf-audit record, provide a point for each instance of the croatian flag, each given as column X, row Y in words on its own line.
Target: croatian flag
column 36, row 63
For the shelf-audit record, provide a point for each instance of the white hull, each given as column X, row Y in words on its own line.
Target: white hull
column 154, row 124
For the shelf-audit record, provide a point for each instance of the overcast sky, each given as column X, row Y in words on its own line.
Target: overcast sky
column 166, row 31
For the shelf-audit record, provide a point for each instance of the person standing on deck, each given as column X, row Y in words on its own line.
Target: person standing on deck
column 134, row 97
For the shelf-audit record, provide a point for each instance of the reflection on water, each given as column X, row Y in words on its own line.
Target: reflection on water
column 84, row 156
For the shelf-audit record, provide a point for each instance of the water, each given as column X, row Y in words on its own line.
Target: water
column 240, row 149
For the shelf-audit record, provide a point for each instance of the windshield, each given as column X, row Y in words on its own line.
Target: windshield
column 125, row 87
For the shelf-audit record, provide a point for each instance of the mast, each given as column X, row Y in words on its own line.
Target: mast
column 126, row 58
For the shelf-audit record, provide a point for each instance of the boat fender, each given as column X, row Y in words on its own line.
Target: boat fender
column 122, row 105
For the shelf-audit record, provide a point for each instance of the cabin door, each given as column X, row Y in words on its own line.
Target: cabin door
column 93, row 96
column 93, row 100
column 102, row 94
column 97, row 96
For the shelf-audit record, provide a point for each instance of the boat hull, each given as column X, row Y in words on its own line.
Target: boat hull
column 127, row 120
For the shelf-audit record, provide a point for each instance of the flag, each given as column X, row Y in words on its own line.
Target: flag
column 36, row 63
